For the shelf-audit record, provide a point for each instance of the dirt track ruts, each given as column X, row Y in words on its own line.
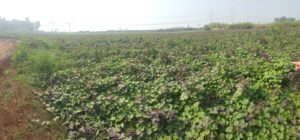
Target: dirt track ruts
column 7, row 48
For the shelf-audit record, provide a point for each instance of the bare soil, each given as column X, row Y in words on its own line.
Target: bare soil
column 7, row 48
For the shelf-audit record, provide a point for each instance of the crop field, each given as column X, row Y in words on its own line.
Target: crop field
column 225, row 84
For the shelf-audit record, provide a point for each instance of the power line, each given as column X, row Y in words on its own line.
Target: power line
column 169, row 23
column 173, row 16
column 184, row 20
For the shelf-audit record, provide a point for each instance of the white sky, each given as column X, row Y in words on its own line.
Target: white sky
column 144, row 14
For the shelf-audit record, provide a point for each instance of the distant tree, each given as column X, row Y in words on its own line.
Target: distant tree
column 36, row 26
column 284, row 19
column 18, row 25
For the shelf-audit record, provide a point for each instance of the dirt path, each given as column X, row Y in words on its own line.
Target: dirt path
column 21, row 115
column 7, row 48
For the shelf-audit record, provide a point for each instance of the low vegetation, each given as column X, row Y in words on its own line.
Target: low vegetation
column 204, row 85
column 215, row 26
column 242, row 26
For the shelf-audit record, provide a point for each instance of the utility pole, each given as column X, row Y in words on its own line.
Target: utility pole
column 52, row 24
column 52, row 28
column 210, row 16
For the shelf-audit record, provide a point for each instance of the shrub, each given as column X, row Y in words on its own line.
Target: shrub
column 39, row 62
column 214, row 26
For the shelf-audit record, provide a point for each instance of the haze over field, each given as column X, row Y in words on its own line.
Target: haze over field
column 144, row 14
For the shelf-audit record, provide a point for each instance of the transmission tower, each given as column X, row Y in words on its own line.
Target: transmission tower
column 52, row 26
column 70, row 25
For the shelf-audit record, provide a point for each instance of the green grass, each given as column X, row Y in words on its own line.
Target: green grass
column 5, row 95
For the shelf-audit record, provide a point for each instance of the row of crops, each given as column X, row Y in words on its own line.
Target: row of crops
column 233, row 84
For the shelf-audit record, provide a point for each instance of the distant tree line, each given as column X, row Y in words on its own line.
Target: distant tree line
column 217, row 26
column 18, row 25
column 284, row 19
column 248, row 25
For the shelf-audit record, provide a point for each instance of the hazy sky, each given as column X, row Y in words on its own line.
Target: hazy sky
column 144, row 14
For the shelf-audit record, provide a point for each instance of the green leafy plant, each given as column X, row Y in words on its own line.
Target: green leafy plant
column 212, row 85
